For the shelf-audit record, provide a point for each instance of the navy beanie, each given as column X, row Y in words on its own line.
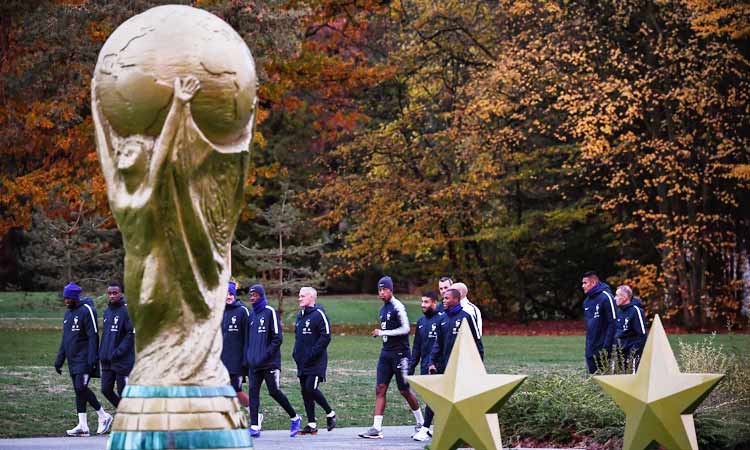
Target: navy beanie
column 258, row 289
column 232, row 288
column 73, row 291
column 386, row 283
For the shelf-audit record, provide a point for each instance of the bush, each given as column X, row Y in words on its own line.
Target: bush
column 723, row 420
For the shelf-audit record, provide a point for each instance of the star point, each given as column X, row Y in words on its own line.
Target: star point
column 466, row 399
column 658, row 400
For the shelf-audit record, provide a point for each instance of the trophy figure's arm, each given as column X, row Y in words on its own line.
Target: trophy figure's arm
column 184, row 91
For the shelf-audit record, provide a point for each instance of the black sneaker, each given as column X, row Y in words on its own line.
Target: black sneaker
column 331, row 422
column 309, row 430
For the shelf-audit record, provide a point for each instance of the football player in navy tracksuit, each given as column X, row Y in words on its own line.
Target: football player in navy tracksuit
column 394, row 357
column 601, row 319
column 233, row 330
column 447, row 332
column 424, row 339
column 117, row 349
column 263, row 359
column 312, row 336
column 80, row 345
column 631, row 326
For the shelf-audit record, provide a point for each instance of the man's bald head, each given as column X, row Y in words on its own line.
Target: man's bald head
column 461, row 288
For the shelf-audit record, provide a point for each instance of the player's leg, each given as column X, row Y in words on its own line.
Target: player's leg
column 383, row 378
column 108, row 387
column 105, row 419
column 321, row 400
column 254, row 381
column 401, row 370
column 273, row 381
column 82, row 429
column 307, row 386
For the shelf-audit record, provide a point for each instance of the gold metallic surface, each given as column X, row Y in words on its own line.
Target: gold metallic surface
column 173, row 104
column 658, row 400
column 465, row 398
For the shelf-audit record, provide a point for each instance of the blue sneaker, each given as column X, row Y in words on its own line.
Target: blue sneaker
column 294, row 426
column 254, row 433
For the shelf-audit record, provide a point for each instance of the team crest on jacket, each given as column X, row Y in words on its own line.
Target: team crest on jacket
column 233, row 326
column 432, row 333
column 455, row 327
column 261, row 325
column 596, row 312
column 75, row 326
column 306, row 329
column 115, row 327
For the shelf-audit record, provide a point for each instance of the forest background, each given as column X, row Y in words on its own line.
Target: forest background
column 510, row 144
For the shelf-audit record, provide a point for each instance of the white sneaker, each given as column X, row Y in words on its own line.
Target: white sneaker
column 421, row 435
column 260, row 421
column 78, row 431
column 105, row 424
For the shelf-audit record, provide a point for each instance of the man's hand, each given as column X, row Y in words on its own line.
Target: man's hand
column 58, row 369
column 376, row 332
column 432, row 369
column 186, row 88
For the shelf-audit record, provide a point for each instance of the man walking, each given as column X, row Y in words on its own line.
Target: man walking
column 117, row 350
column 394, row 357
column 447, row 332
column 80, row 345
column 263, row 359
column 424, row 339
column 233, row 326
column 468, row 306
column 313, row 334
column 601, row 319
column 631, row 327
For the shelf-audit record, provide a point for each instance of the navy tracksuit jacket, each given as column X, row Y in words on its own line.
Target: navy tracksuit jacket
column 312, row 335
column 424, row 339
column 393, row 319
column 80, row 341
column 117, row 349
column 234, row 330
column 600, row 313
column 263, row 339
column 631, row 328
column 447, row 335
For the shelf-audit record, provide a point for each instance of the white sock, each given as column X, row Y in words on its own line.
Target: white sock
column 83, row 421
column 255, row 427
column 418, row 415
column 312, row 424
column 377, row 422
column 297, row 417
column 101, row 413
column 331, row 414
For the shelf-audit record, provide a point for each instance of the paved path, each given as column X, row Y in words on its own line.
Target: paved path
column 338, row 439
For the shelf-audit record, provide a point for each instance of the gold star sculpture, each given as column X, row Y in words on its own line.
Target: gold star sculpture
column 658, row 400
column 465, row 398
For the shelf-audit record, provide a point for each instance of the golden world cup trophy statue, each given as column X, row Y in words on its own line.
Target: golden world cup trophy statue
column 173, row 100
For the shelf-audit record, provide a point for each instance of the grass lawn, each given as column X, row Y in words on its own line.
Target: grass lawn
column 36, row 401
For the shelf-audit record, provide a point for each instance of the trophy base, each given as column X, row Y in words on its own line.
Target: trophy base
column 179, row 417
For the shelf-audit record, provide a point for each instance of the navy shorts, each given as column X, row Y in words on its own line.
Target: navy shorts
column 393, row 363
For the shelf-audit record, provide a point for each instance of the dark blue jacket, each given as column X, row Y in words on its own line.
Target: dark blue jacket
column 394, row 326
column 447, row 335
column 80, row 341
column 117, row 350
column 312, row 335
column 424, row 339
column 631, row 328
column 263, row 339
column 600, row 313
column 233, row 330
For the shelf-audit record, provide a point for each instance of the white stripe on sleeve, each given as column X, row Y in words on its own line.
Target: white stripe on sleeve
column 404, row 328
column 246, row 311
column 640, row 317
column 611, row 304
column 93, row 320
column 275, row 323
column 325, row 320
